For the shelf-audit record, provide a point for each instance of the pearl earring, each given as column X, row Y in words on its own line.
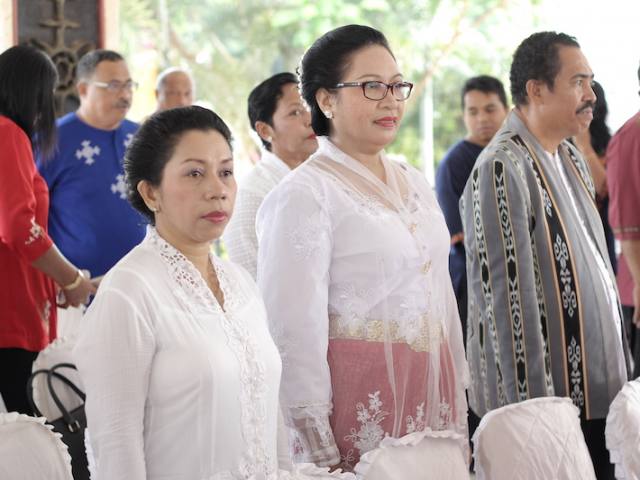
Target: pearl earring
column 269, row 139
column 328, row 114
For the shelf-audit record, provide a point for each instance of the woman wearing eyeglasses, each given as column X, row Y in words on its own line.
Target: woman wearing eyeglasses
column 352, row 265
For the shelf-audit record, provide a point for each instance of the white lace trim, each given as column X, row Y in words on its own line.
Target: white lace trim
column 192, row 286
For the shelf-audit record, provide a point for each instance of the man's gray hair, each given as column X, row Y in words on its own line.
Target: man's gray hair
column 89, row 62
column 168, row 71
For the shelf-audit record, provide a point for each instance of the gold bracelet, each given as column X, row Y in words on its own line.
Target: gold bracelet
column 76, row 283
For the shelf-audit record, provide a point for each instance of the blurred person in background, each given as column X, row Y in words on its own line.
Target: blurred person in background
column 623, row 179
column 484, row 106
column 174, row 88
column 33, row 269
column 593, row 143
column 283, row 123
column 90, row 218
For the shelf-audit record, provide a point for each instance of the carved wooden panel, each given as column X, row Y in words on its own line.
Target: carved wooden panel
column 65, row 30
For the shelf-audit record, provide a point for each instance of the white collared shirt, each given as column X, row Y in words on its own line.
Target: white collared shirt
column 240, row 235
column 605, row 278
column 164, row 366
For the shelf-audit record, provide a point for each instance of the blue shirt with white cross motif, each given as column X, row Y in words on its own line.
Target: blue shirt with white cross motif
column 90, row 219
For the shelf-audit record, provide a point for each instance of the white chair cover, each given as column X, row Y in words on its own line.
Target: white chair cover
column 30, row 449
column 531, row 440
column 427, row 455
column 59, row 351
column 622, row 432
column 70, row 321
column 308, row 471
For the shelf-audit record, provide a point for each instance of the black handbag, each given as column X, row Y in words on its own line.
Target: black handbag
column 71, row 425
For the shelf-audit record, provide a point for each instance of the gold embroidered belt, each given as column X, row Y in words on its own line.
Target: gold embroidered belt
column 428, row 338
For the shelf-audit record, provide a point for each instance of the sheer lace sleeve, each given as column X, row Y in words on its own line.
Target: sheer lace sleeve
column 294, row 235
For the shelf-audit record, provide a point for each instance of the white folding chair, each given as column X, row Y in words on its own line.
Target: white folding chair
column 531, row 440
column 426, row 455
column 622, row 432
column 30, row 449
column 58, row 351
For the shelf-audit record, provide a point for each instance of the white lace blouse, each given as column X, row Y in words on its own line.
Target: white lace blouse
column 354, row 274
column 176, row 387
column 240, row 235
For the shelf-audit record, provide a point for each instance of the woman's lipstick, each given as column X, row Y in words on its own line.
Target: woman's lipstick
column 387, row 122
column 216, row 217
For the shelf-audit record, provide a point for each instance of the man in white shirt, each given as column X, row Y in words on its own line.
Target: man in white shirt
column 279, row 117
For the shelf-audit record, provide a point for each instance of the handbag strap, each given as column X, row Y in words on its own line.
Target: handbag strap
column 72, row 424
column 32, row 403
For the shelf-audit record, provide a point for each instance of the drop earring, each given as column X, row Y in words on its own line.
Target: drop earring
column 328, row 114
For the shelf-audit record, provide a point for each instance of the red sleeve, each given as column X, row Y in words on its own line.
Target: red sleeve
column 19, row 228
column 623, row 182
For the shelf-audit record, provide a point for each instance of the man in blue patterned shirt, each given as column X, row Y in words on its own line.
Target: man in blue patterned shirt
column 90, row 218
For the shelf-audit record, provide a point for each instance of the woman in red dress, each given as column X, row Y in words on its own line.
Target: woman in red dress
column 31, row 265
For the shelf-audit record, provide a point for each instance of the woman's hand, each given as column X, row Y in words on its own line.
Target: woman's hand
column 79, row 291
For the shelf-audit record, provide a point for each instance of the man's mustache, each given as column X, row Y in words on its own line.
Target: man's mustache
column 123, row 104
column 586, row 105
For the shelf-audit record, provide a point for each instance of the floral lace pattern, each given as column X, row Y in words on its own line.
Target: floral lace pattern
column 370, row 417
column 371, row 432
column 445, row 416
column 366, row 204
column 416, row 424
column 191, row 285
column 305, row 238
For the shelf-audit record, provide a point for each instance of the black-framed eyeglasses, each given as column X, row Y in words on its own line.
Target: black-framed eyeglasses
column 374, row 90
column 117, row 86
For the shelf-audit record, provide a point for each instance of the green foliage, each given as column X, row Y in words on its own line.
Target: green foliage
column 232, row 45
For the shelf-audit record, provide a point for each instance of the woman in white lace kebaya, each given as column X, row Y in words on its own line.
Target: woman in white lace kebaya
column 353, row 267
column 180, row 371
column 278, row 116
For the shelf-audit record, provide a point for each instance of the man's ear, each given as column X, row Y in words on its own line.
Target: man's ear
column 535, row 90
column 82, row 87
